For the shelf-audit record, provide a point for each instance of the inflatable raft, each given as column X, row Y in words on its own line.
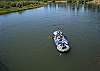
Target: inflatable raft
column 60, row 41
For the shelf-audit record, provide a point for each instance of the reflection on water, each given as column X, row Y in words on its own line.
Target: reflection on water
column 76, row 7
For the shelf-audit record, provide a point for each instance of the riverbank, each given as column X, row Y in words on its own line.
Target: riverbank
column 16, row 6
column 9, row 7
column 96, row 2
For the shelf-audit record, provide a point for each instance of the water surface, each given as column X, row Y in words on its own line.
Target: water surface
column 25, row 45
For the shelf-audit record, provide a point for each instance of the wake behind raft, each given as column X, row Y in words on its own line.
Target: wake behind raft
column 62, row 44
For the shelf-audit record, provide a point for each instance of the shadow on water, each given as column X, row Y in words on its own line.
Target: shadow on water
column 3, row 67
column 21, row 12
column 68, row 53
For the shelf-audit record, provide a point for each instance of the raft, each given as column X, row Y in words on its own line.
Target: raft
column 62, row 44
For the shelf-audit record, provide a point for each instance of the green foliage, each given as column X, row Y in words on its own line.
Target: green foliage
column 8, row 4
column 15, row 6
column 45, row 0
column 53, row 1
column 78, row 1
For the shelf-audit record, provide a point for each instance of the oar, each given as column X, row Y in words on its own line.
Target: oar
column 50, row 37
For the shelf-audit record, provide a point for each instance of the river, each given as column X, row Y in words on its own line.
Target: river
column 25, row 44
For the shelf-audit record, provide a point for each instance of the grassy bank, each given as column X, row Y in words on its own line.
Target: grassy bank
column 9, row 7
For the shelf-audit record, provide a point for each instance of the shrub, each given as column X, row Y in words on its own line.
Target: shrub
column 13, row 4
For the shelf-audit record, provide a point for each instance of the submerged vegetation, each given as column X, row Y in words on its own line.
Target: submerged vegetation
column 8, row 6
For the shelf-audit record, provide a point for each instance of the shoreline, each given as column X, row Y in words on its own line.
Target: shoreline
column 33, row 5
column 94, row 2
column 11, row 10
column 89, row 2
column 18, row 9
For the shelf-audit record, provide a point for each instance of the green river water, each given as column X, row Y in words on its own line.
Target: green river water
column 25, row 44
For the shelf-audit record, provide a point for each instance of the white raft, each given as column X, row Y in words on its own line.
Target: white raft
column 60, row 41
